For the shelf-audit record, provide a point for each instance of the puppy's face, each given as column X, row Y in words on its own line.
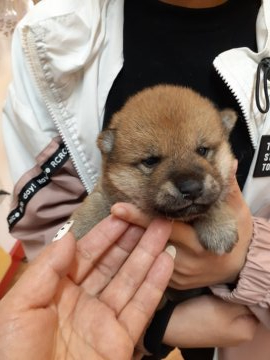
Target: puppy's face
column 167, row 152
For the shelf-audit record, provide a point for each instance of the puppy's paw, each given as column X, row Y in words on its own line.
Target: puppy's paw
column 217, row 238
column 223, row 244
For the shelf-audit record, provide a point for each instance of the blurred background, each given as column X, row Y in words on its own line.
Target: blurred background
column 11, row 253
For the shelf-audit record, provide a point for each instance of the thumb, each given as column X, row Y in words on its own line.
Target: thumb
column 234, row 196
column 131, row 214
column 38, row 284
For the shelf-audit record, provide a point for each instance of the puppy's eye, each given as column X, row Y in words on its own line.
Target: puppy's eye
column 151, row 161
column 202, row 151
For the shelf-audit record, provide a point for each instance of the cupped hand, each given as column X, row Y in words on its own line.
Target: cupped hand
column 194, row 266
column 87, row 300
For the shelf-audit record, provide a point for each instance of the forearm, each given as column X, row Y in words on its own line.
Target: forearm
column 207, row 321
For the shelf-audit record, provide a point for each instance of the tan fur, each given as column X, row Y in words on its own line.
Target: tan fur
column 150, row 158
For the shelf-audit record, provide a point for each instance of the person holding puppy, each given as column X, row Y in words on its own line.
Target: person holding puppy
column 75, row 64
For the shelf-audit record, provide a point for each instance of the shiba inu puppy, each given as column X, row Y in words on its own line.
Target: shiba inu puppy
column 167, row 152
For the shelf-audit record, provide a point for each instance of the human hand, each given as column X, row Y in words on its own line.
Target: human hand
column 90, row 299
column 207, row 321
column 193, row 264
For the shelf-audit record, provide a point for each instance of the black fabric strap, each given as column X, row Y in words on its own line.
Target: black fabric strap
column 155, row 332
column 198, row 354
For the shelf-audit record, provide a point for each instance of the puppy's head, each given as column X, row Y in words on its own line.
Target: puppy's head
column 167, row 152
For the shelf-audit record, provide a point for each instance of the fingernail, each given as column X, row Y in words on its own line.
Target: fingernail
column 119, row 211
column 171, row 250
column 235, row 166
column 64, row 229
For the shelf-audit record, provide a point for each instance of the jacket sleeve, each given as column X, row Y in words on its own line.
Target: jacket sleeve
column 46, row 186
column 253, row 285
column 44, row 198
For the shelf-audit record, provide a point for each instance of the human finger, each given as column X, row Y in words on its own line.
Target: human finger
column 108, row 264
column 130, row 213
column 38, row 284
column 181, row 232
column 184, row 235
column 235, row 196
column 94, row 244
column 139, row 310
column 132, row 274
column 240, row 208
column 238, row 204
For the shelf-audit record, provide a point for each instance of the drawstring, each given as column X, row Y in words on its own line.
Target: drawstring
column 263, row 66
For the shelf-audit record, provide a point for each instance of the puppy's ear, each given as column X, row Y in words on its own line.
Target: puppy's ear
column 228, row 118
column 105, row 140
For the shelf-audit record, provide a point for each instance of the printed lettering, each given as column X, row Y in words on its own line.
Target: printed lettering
column 43, row 180
column 29, row 191
column 49, row 168
column 13, row 218
column 59, row 158
column 262, row 167
column 265, row 167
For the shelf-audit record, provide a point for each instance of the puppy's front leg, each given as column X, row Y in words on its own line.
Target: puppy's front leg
column 217, row 230
column 94, row 208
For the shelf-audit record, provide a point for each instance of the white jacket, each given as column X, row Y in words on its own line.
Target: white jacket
column 56, row 46
column 66, row 55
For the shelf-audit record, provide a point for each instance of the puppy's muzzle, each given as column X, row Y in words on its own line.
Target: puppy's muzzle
column 190, row 189
column 184, row 199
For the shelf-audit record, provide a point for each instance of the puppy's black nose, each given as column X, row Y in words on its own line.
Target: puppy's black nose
column 190, row 189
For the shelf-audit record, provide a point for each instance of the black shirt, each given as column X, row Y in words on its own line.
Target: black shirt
column 175, row 45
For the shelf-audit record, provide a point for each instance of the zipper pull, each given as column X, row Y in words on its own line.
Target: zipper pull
column 263, row 66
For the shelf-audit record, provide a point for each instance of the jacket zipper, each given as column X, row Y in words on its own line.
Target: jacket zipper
column 30, row 51
column 238, row 99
